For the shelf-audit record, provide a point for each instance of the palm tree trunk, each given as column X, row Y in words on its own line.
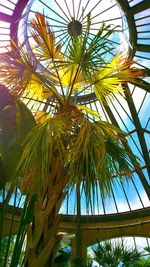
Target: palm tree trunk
column 42, row 238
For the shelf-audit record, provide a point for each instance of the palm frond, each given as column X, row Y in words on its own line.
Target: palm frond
column 90, row 51
column 51, row 86
column 19, row 71
column 16, row 69
column 71, row 78
column 88, row 111
column 44, row 38
column 95, row 152
column 109, row 253
column 38, row 147
column 108, row 80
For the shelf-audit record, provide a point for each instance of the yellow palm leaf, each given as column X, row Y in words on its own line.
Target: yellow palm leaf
column 124, row 70
column 71, row 77
column 108, row 80
column 89, row 111
column 36, row 89
column 106, row 86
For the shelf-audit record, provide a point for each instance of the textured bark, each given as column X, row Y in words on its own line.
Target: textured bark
column 42, row 238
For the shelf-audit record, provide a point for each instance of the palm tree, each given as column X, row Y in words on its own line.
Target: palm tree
column 70, row 145
column 112, row 254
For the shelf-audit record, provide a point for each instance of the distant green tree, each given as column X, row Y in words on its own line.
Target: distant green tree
column 112, row 254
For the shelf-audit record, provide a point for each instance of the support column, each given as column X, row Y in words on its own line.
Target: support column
column 78, row 245
column 83, row 253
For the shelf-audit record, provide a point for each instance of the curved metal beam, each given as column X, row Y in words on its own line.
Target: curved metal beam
column 123, row 220
column 140, row 6
column 21, row 4
column 132, row 27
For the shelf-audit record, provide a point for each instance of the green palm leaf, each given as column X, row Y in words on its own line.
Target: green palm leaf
column 109, row 253
column 90, row 51
column 15, row 122
column 38, row 148
column 95, row 152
